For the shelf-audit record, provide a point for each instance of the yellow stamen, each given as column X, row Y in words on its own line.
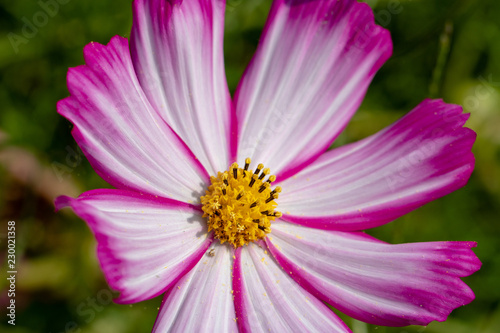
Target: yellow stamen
column 239, row 205
column 264, row 173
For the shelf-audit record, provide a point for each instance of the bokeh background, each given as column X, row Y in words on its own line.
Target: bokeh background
column 442, row 48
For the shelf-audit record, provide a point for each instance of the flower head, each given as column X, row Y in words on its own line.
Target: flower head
column 156, row 120
column 239, row 204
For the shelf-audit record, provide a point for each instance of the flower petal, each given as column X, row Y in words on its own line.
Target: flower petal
column 421, row 157
column 379, row 283
column 311, row 70
column 202, row 301
column 177, row 52
column 145, row 243
column 267, row 299
column 123, row 137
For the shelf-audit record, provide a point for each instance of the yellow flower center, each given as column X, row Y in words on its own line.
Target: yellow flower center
column 240, row 204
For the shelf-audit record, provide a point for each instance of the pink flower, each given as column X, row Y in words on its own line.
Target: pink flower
column 156, row 120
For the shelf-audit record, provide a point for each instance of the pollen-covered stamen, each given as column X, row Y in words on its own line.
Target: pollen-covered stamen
column 263, row 228
column 275, row 214
column 247, row 164
column 242, row 193
column 264, row 173
column 263, row 187
column 271, row 198
column 259, row 167
column 276, row 190
column 252, row 181
column 240, row 205
column 234, row 166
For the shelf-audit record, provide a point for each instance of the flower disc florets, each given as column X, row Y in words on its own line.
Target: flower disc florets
column 240, row 204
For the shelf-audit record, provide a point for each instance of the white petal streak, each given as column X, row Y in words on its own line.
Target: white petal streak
column 144, row 243
column 421, row 157
column 177, row 52
column 121, row 134
column 378, row 283
column 307, row 78
column 268, row 300
column 202, row 301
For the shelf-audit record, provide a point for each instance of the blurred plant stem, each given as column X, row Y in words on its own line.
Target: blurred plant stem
column 442, row 59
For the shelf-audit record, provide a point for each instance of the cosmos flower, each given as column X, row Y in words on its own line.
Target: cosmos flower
column 237, row 245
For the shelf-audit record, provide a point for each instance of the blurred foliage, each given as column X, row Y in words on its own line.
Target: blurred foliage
column 447, row 48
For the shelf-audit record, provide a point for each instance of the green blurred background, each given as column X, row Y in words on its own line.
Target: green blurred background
column 446, row 48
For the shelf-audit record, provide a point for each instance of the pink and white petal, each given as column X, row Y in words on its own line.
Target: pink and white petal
column 122, row 135
column 202, row 301
column 177, row 51
column 267, row 299
column 144, row 243
column 378, row 283
column 309, row 75
column 423, row 156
